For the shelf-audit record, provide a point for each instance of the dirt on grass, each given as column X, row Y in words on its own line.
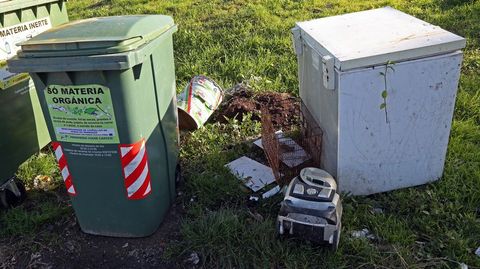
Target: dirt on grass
column 280, row 105
column 62, row 244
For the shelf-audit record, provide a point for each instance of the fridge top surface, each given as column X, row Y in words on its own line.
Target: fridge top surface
column 376, row 36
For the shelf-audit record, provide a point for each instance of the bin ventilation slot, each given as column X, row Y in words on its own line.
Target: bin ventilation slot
column 35, row 11
column 19, row 15
column 137, row 71
column 71, row 77
column 42, row 77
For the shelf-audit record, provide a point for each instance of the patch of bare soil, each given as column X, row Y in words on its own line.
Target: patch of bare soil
column 63, row 245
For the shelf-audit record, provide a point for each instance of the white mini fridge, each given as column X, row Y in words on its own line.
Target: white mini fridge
column 382, row 86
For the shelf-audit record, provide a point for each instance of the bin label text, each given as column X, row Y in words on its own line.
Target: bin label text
column 10, row 37
column 82, row 113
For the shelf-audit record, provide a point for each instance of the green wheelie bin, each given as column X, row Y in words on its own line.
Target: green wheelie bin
column 107, row 90
column 23, row 129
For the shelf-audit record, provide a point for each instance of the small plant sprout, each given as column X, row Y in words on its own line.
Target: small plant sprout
column 384, row 94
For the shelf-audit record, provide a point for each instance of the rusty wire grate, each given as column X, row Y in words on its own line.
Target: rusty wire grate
column 288, row 153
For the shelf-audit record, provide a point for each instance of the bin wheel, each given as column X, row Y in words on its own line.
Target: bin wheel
column 178, row 174
column 336, row 238
column 12, row 194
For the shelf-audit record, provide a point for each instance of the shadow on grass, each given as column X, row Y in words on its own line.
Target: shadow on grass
column 100, row 4
column 39, row 209
column 448, row 4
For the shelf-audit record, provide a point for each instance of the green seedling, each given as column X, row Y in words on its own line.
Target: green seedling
column 384, row 94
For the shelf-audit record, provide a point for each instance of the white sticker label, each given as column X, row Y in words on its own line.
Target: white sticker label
column 82, row 114
column 10, row 37
column 86, row 132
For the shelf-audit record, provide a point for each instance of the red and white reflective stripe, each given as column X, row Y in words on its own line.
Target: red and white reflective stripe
column 135, row 170
column 62, row 164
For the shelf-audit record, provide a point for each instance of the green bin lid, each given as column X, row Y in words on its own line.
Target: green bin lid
column 97, row 36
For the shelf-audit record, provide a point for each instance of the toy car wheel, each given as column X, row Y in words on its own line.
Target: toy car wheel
column 336, row 237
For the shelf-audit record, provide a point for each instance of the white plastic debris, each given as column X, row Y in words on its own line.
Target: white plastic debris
column 463, row 266
column 364, row 233
column 378, row 210
column 271, row 192
column 193, row 258
column 254, row 174
column 254, row 198
column 292, row 158
column 42, row 182
column 477, row 252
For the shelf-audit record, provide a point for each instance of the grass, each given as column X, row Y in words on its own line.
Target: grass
column 42, row 206
column 21, row 221
column 41, row 164
column 434, row 226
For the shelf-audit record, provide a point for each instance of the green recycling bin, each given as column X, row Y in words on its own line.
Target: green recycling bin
column 23, row 129
column 107, row 90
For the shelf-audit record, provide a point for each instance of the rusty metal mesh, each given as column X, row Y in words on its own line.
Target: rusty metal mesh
column 288, row 153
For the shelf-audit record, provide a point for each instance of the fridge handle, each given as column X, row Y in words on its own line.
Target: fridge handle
column 328, row 72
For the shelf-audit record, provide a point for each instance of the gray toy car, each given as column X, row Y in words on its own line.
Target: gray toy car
column 312, row 208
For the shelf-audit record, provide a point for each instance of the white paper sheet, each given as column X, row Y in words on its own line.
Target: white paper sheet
column 254, row 174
